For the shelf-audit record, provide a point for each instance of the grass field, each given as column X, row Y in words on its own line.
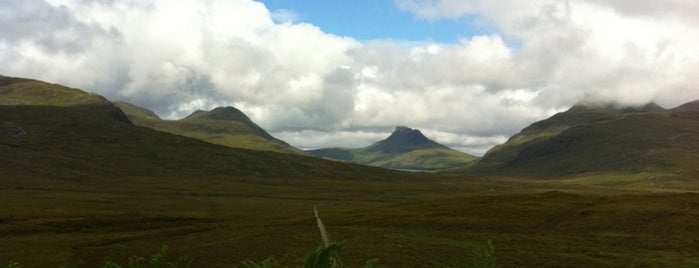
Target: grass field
column 432, row 221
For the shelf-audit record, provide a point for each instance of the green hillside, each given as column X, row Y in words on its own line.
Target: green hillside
column 226, row 126
column 602, row 139
column 23, row 92
column 51, row 130
column 405, row 148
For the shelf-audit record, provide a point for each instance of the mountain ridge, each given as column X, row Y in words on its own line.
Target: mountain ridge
column 72, row 134
column 226, row 126
column 587, row 139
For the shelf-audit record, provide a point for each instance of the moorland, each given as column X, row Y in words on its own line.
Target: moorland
column 80, row 184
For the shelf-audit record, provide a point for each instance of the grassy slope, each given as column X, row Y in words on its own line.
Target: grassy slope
column 431, row 159
column 19, row 91
column 420, row 159
column 232, row 133
column 628, row 143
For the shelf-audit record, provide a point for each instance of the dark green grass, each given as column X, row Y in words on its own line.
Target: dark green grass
column 418, row 159
column 409, row 223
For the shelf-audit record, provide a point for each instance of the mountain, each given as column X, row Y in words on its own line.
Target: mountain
column 686, row 111
column 51, row 131
column 405, row 148
column 602, row 139
column 403, row 140
column 226, row 126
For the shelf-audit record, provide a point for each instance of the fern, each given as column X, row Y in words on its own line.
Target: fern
column 267, row 263
column 372, row 263
column 158, row 260
column 324, row 257
column 485, row 259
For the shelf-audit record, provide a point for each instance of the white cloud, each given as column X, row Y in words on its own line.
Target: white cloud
column 309, row 139
column 316, row 89
column 285, row 16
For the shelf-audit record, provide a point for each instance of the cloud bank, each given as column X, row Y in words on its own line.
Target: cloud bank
column 314, row 89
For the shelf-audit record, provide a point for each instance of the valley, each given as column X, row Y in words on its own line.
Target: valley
column 82, row 182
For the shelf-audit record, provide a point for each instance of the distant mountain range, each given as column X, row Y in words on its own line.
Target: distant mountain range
column 52, row 131
column 602, row 139
column 405, row 148
column 226, row 126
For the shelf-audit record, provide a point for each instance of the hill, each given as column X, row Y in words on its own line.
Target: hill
column 602, row 139
column 405, row 148
column 55, row 131
column 226, row 126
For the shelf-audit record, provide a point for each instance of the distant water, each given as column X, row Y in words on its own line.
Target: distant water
column 414, row 170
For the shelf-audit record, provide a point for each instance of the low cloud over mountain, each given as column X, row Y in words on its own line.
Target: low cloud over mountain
column 315, row 89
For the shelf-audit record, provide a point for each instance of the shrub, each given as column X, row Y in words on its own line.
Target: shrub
column 267, row 263
column 158, row 260
column 324, row 257
column 485, row 258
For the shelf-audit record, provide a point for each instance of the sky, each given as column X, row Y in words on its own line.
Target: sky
column 468, row 73
column 365, row 20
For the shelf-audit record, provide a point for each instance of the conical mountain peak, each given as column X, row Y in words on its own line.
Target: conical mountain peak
column 405, row 139
column 408, row 134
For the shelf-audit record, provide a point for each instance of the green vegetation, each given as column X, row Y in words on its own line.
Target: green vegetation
column 80, row 185
column 225, row 126
column 486, row 259
column 591, row 140
column 425, row 222
column 266, row 263
column 158, row 260
column 429, row 159
column 95, row 139
column 20, row 91
column 323, row 257
column 405, row 149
